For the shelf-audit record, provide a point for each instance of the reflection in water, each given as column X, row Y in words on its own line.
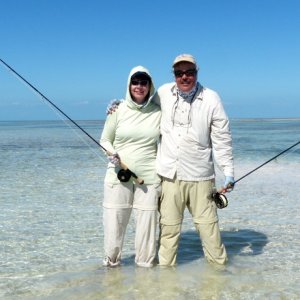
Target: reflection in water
column 162, row 283
column 192, row 278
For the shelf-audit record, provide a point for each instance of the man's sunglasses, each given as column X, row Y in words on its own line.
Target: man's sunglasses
column 189, row 72
column 139, row 82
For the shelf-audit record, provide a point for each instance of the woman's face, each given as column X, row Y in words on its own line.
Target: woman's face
column 139, row 89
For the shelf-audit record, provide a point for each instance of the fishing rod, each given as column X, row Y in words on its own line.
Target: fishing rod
column 124, row 174
column 220, row 198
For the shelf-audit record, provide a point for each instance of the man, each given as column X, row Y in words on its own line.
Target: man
column 194, row 133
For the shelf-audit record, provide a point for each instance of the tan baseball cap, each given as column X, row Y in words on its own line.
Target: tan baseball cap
column 185, row 57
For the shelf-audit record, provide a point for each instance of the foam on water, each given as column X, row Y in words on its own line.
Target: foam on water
column 51, row 233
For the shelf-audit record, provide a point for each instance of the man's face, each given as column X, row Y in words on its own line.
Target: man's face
column 185, row 76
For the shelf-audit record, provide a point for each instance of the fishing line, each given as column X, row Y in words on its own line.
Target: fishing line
column 221, row 200
column 124, row 174
column 42, row 97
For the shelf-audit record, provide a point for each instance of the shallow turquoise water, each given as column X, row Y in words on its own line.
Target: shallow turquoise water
column 51, row 236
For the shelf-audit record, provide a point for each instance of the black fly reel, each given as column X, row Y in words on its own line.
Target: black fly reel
column 220, row 200
column 124, row 175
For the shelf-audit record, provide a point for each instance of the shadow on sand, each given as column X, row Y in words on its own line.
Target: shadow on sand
column 239, row 242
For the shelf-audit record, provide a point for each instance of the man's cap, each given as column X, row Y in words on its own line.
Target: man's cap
column 185, row 57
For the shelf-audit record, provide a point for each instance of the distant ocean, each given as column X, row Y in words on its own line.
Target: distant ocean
column 51, row 239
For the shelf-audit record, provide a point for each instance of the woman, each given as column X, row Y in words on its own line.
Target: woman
column 132, row 133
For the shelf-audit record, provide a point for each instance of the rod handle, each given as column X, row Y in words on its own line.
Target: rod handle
column 124, row 166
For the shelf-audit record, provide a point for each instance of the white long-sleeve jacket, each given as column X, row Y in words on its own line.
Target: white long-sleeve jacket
column 193, row 135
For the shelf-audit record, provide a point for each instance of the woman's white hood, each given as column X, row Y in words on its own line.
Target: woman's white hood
column 128, row 97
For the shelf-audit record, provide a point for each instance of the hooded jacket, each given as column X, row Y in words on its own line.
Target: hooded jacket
column 133, row 132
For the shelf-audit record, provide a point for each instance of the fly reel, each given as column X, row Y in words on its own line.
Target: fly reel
column 220, row 200
column 124, row 175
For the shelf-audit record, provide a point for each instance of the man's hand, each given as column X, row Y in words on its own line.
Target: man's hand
column 113, row 106
column 114, row 159
column 228, row 184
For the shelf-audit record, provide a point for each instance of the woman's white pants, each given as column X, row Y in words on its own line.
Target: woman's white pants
column 119, row 201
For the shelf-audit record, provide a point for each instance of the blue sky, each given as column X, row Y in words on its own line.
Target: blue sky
column 79, row 53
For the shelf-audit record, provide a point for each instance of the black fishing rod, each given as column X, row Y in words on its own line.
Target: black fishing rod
column 282, row 152
column 124, row 174
column 221, row 200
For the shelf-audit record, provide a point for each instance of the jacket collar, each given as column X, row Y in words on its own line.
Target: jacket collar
column 199, row 93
